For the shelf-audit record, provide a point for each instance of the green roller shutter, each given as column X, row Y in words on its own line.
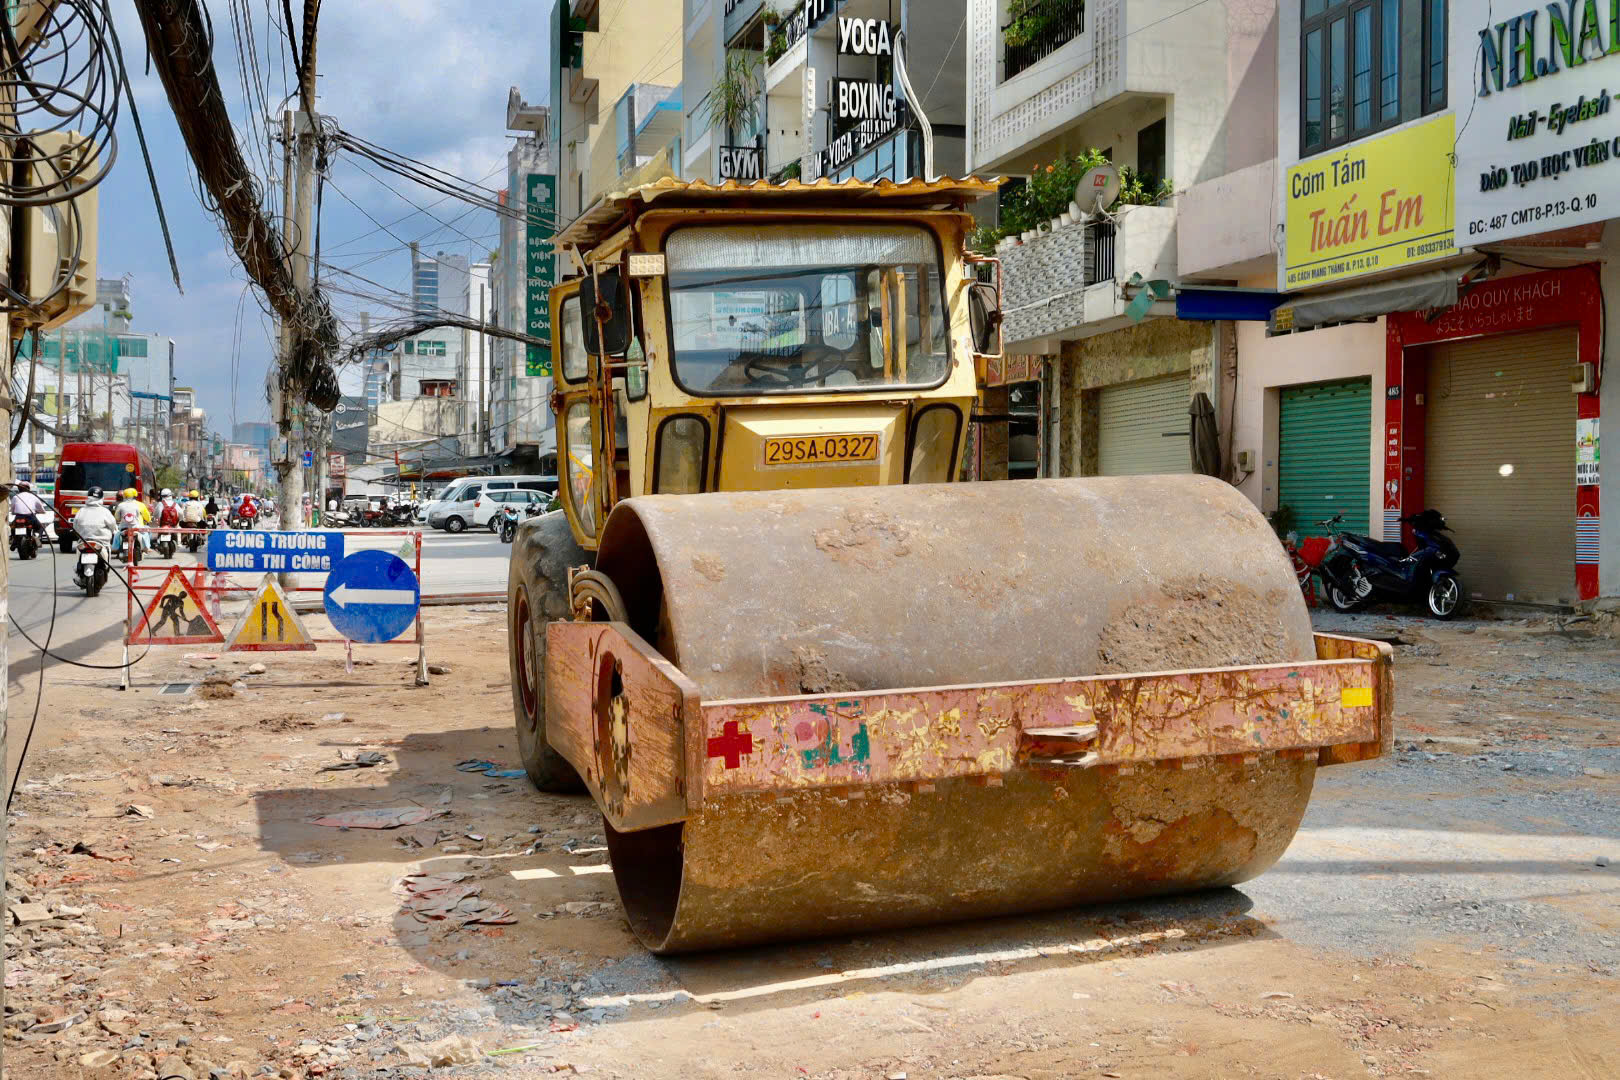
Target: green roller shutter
column 1142, row 428
column 1324, row 447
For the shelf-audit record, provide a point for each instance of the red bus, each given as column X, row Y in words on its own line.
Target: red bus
column 110, row 466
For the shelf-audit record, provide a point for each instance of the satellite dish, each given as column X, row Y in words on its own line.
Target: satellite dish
column 1098, row 189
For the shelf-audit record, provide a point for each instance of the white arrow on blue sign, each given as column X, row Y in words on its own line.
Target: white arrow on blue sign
column 372, row 596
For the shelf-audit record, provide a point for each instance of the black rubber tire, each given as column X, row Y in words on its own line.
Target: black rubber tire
column 454, row 525
column 537, row 593
column 66, row 543
column 1430, row 599
column 1342, row 602
column 95, row 587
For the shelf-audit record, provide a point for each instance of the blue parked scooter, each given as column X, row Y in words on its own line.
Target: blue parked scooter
column 1361, row 571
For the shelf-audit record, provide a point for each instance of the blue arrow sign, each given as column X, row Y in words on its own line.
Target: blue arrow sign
column 257, row 551
column 372, row 596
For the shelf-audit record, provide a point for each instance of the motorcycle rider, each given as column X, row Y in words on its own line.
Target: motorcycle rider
column 168, row 510
column 249, row 510
column 193, row 513
column 129, row 513
column 212, row 508
column 28, row 506
column 94, row 521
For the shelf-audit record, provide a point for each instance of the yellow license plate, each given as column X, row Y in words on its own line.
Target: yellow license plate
column 813, row 449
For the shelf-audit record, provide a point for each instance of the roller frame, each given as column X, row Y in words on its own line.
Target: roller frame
column 650, row 750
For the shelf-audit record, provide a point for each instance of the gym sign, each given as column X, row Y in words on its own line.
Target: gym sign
column 864, row 37
column 862, row 101
column 741, row 163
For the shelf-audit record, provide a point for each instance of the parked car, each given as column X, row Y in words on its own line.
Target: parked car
column 453, row 510
column 487, row 509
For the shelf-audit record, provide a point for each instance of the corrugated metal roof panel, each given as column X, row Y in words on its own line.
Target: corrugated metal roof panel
column 593, row 225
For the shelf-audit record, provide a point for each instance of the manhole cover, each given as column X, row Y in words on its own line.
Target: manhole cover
column 178, row 688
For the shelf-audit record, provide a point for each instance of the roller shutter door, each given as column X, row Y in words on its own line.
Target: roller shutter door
column 1494, row 403
column 1324, row 454
column 1142, row 428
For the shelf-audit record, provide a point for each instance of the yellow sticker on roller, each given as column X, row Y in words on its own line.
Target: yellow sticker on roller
column 1355, row 697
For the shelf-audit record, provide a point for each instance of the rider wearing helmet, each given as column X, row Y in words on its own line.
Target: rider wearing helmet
column 131, row 512
column 94, row 521
column 28, row 506
column 192, row 511
column 168, row 510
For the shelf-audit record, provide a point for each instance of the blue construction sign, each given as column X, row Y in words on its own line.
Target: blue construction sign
column 372, row 596
column 258, row 552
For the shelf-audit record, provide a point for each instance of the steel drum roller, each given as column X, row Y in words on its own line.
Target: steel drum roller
column 821, row 591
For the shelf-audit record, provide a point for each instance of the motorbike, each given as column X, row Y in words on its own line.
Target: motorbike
column 132, row 547
column 23, row 539
column 509, row 523
column 166, row 544
column 91, row 565
column 1359, row 570
column 194, row 540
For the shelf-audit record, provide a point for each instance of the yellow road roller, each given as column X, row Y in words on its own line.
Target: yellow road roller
column 814, row 685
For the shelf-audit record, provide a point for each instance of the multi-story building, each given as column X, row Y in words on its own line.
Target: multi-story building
column 1101, row 299
column 822, row 97
column 97, row 378
column 1442, row 236
column 521, row 426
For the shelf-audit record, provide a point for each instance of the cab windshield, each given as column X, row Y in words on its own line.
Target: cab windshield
column 796, row 308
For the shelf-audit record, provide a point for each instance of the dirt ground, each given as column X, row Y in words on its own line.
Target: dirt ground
column 1442, row 913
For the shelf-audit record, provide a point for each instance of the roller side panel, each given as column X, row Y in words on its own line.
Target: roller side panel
column 619, row 713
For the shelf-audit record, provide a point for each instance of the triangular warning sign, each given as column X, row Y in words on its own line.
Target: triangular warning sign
column 269, row 624
column 176, row 616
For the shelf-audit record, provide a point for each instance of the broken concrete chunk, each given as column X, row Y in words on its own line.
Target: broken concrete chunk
column 29, row 913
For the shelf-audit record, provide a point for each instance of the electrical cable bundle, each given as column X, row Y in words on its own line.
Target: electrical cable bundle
column 64, row 82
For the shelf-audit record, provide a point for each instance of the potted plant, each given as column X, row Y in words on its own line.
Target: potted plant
column 734, row 101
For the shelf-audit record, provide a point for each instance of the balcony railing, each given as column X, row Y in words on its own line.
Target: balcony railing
column 1100, row 252
column 1037, row 29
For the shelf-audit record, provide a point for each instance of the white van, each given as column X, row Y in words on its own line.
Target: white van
column 452, row 511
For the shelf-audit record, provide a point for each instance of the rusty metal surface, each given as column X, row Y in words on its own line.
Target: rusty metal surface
column 836, row 592
column 757, row 594
column 757, row 868
column 934, row 733
column 599, row 219
column 619, row 713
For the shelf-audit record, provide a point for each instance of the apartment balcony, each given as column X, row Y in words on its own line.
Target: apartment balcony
column 1073, row 281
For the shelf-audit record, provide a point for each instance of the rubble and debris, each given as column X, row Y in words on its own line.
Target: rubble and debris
column 365, row 759
column 390, row 818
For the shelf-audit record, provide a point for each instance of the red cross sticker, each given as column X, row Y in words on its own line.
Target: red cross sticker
column 731, row 744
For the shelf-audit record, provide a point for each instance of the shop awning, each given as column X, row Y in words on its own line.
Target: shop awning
column 1239, row 305
column 1420, row 292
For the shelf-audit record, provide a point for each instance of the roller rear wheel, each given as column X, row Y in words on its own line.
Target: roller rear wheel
column 537, row 593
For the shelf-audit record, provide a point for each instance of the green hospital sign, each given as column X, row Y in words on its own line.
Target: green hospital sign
column 540, row 193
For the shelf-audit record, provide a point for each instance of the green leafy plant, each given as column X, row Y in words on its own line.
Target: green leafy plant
column 734, row 101
column 1029, row 19
column 790, row 171
column 1050, row 190
column 776, row 46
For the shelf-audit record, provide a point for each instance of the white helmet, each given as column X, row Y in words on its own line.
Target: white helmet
column 168, row 493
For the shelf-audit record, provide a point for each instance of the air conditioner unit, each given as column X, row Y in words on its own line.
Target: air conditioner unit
column 58, row 245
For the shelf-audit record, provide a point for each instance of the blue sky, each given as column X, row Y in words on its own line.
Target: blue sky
column 420, row 78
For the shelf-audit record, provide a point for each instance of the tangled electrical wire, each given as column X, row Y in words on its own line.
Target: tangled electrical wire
column 60, row 90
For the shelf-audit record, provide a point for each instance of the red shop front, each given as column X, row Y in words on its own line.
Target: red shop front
column 1482, row 423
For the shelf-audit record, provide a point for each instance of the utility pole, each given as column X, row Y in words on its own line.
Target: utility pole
column 299, row 131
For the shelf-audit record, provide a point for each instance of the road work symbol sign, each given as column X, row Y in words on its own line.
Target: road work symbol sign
column 372, row 596
column 269, row 624
column 257, row 552
column 176, row 616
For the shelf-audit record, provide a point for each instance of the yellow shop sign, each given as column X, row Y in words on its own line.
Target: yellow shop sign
column 1374, row 205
